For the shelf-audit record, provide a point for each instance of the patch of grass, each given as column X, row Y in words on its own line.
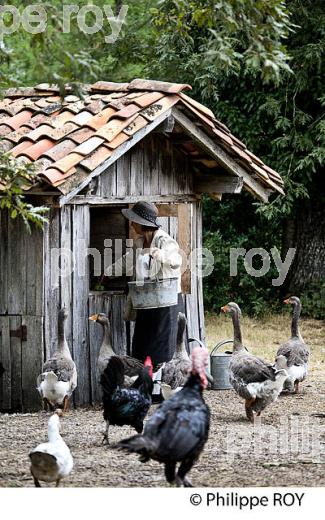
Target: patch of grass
column 263, row 336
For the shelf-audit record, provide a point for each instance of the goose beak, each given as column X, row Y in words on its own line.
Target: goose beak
column 94, row 317
column 225, row 308
column 287, row 301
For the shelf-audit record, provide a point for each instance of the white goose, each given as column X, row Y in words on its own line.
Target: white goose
column 51, row 461
column 59, row 377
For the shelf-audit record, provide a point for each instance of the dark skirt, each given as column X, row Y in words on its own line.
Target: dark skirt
column 155, row 333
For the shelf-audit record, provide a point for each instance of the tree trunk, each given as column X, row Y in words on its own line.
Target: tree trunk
column 118, row 6
column 308, row 266
column 288, row 235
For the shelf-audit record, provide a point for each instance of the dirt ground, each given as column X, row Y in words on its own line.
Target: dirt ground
column 233, row 455
column 286, row 449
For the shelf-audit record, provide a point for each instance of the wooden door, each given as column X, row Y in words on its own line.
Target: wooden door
column 10, row 357
column 21, row 356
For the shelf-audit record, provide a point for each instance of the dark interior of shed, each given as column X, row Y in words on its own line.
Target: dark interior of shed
column 108, row 233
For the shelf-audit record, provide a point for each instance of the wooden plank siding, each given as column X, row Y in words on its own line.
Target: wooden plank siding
column 185, row 237
column 5, row 359
column 200, row 301
column 80, row 294
column 66, row 266
column 3, row 262
column 21, row 303
column 153, row 167
column 21, row 260
column 34, row 273
column 32, row 290
column 31, row 363
column 51, row 282
column 17, row 267
column 15, row 345
column 106, row 185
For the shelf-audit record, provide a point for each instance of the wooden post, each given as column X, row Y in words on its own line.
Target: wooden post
column 185, row 241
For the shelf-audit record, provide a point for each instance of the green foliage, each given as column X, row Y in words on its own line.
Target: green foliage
column 14, row 175
column 313, row 301
column 235, row 225
column 74, row 57
column 230, row 35
column 283, row 124
column 258, row 64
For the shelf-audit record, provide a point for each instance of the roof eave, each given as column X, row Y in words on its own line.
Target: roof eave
column 217, row 152
column 67, row 195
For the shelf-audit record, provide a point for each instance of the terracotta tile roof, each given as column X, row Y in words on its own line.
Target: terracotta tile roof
column 65, row 136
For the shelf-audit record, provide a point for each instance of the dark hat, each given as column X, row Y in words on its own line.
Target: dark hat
column 144, row 213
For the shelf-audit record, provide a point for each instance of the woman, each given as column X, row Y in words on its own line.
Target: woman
column 157, row 254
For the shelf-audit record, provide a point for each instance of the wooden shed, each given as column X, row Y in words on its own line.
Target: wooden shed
column 120, row 143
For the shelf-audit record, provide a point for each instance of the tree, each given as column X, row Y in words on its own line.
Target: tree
column 14, row 176
column 205, row 42
column 281, row 120
column 257, row 63
column 296, row 113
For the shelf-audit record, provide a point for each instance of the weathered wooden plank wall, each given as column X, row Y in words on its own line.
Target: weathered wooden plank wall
column 21, row 304
column 3, row 262
column 72, row 291
column 199, row 245
column 66, row 279
column 51, row 282
column 152, row 167
column 80, row 294
column 66, row 264
column 31, row 362
column 15, row 323
column 21, row 258
column 32, row 290
column 5, row 358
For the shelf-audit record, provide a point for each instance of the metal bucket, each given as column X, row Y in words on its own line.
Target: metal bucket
column 219, row 367
column 153, row 294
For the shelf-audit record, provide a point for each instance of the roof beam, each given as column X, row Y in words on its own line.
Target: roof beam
column 92, row 200
column 214, row 150
column 211, row 183
column 121, row 150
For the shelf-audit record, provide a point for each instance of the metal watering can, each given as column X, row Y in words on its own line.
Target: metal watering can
column 219, row 366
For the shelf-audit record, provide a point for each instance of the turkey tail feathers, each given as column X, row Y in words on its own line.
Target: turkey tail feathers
column 137, row 444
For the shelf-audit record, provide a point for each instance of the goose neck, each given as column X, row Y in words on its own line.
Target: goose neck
column 53, row 430
column 63, row 347
column 106, row 347
column 238, row 343
column 61, row 334
column 295, row 321
column 181, row 352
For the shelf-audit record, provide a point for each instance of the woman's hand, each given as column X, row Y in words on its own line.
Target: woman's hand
column 156, row 254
